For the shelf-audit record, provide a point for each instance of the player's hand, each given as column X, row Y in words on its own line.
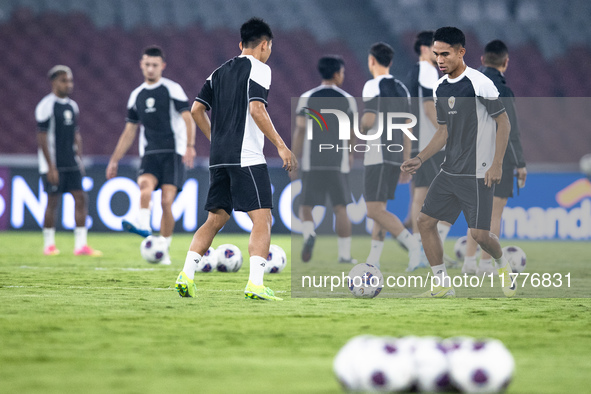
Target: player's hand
column 189, row 157
column 112, row 170
column 405, row 177
column 294, row 174
column 411, row 166
column 521, row 176
column 289, row 160
column 53, row 176
column 493, row 175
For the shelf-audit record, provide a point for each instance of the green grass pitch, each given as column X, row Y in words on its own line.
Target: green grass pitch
column 116, row 325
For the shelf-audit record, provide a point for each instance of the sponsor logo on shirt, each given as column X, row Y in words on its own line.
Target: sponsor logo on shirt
column 68, row 117
column 150, row 101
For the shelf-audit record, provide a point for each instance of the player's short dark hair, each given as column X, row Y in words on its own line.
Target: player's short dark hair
column 450, row 35
column 383, row 53
column 423, row 38
column 58, row 70
column 329, row 65
column 253, row 31
column 495, row 53
column 154, row 51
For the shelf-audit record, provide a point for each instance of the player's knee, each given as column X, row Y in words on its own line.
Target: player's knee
column 373, row 211
column 425, row 223
column 479, row 236
column 167, row 202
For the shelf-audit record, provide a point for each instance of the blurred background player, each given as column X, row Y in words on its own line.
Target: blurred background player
column 421, row 81
column 60, row 159
column 383, row 94
column 475, row 129
column 494, row 64
column 166, row 142
column 325, row 173
column 236, row 92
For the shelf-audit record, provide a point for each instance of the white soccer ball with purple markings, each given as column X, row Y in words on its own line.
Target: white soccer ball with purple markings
column 154, row 249
column 460, row 248
column 276, row 260
column 365, row 281
column 209, row 261
column 431, row 365
column 585, row 164
column 229, row 258
column 368, row 363
column 484, row 367
column 516, row 257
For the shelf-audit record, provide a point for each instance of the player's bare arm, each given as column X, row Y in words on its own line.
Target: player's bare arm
column 298, row 140
column 437, row 142
column 430, row 111
column 78, row 144
column 52, row 173
column 190, row 154
column 123, row 145
column 367, row 121
column 494, row 173
column 198, row 112
column 405, row 177
column 263, row 121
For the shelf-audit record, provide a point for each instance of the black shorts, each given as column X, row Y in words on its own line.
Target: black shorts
column 505, row 188
column 380, row 182
column 68, row 181
column 239, row 188
column 429, row 170
column 449, row 195
column 168, row 168
column 317, row 184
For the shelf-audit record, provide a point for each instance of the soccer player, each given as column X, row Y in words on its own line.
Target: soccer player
column 494, row 64
column 60, row 163
column 474, row 128
column 236, row 92
column 421, row 81
column 381, row 95
column 325, row 173
column 166, row 142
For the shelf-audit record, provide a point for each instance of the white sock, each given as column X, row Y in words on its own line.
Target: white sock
column 257, row 270
column 191, row 262
column 375, row 252
column 408, row 240
column 48, row 237
column 79, row 237
column 484, row 262
column 168, row 240
column 344, row 246
column 441, row 272
column 502, row 262
column 470, row 260
column 143, row 219
column 308, row 229
column 443, row 230
column 417, row 236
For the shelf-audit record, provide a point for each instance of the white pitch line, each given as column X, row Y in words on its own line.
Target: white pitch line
column 122, row 288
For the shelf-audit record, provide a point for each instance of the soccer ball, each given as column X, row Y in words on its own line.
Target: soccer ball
column 365, row 281
column 516, row 257
column 209, row 261
column 368, row 363
column 484, row 367
column 347, row 359
column 229, row 258
column 431, row 366
column 276, row 260
column 460, row 248
column 154, row 249
column 585, row 164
